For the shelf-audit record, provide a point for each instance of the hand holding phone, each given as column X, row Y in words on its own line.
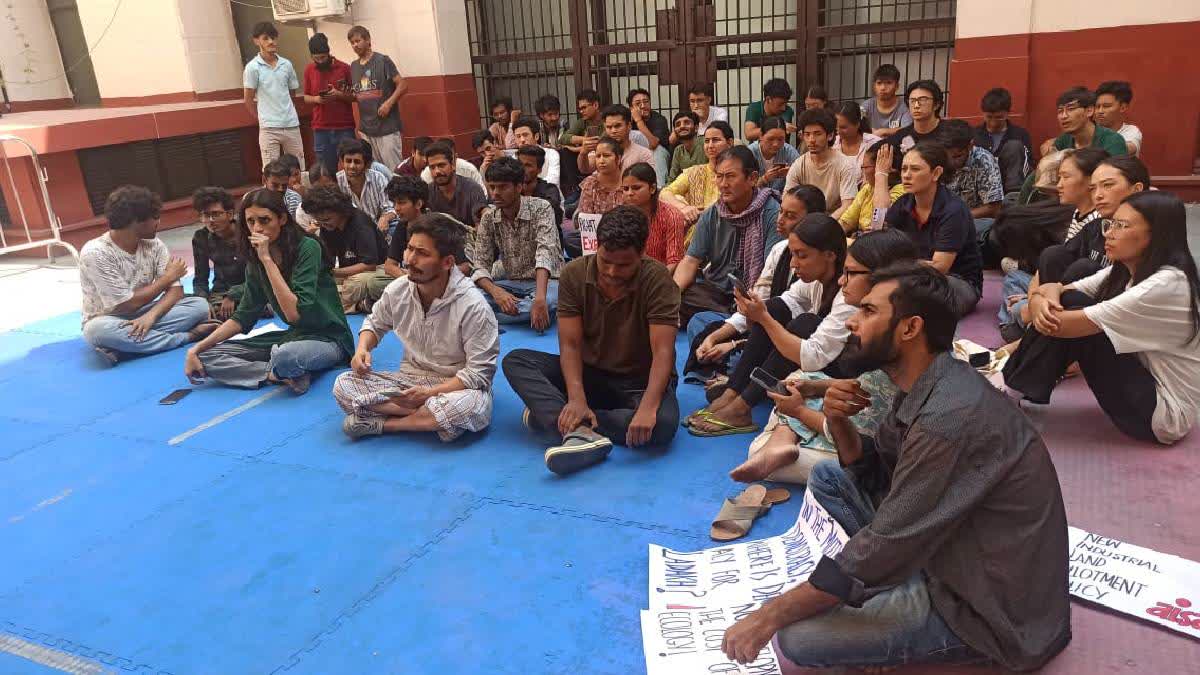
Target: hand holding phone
column 768, row 381
column 738, row 285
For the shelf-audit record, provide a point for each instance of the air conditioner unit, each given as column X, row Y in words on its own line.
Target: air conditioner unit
column 306, row 10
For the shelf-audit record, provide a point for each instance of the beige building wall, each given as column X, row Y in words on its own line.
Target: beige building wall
column 980, row 18
column 140, row 54
column 160, row 47
column 214, row 60
column 33, row 67
column 423, row 37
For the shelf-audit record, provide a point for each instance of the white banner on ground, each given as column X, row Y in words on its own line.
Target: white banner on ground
column 1146, row 584
column 586, row 224
column 695, row 596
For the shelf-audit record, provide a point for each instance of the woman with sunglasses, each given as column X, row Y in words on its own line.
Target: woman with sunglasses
column 1133, row 327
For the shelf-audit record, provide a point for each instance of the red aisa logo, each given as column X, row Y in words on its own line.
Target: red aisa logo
column 1179, row 615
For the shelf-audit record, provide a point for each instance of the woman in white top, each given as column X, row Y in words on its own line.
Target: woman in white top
column 1133, row 327
column 803, row 328
column 853, row 134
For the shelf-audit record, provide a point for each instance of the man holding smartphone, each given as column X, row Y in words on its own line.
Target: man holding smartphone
column 327, row 88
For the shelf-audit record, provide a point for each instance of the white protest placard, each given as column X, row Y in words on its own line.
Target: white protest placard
column 1151, row 586
column 687, row 640
column 696, row 595
column 586, row 224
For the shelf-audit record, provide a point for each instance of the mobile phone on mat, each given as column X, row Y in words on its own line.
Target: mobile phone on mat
column 174, row 397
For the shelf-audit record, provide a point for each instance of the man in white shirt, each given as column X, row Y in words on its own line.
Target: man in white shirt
column 462, row 167
column 525, row 132
column 366, row 187
column 831, row 171
column 132, row 300
column 1112, row 110
column 451, row 343
column 700, row 98
column 618, row 125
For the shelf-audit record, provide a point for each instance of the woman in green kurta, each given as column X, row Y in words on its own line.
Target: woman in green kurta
column 290, row 271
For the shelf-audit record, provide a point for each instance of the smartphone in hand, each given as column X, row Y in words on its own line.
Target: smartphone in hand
column 768, row 381
column 738, row 285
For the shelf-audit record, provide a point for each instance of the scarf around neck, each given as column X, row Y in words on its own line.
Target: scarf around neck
column 750, row 252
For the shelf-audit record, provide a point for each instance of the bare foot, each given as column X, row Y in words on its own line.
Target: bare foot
column 727, row 397
column 765, row 462
column 1072, row 370
column 203, row 329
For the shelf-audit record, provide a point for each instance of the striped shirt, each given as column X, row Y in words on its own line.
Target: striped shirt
column 373, row 201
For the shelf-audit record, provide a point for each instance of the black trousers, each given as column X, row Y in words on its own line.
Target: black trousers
column 760, row 352
column 537, row 378
column 1123, row 387
column 1058, row 264
column 703, row 296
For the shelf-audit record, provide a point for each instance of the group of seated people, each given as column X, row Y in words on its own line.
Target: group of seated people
column 827, row 279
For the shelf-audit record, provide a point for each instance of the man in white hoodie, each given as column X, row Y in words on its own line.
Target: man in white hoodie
column 451, row 343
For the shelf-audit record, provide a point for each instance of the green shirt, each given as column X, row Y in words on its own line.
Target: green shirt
column 582, row 127
column 682, row 158
column 754, row 113
column 1104, row 138
column 317, row 300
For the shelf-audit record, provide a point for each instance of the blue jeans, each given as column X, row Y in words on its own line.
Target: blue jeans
column 169, row 332
column 700, row 320
column 1015, row 282
column 325, row 143
column 238, row 365
column 523, row 291
column 895, row 627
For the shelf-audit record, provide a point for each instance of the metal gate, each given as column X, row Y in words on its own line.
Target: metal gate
column 526, row 48
column 26, row 226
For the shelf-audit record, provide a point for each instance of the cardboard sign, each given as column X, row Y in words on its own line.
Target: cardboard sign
column 1151, row 586
column 586, row 223
column 695, row 596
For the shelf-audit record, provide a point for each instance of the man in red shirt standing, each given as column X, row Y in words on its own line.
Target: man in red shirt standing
column 327, row 88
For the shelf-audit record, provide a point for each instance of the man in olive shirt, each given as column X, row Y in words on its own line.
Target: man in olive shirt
column 614, row 380
column 958, row 535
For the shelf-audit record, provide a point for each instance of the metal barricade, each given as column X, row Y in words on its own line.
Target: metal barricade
column 48, row 236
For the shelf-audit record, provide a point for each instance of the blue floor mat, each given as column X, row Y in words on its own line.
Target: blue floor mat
column 272, row 543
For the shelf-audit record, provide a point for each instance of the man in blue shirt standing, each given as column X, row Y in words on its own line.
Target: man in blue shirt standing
column 271, row 79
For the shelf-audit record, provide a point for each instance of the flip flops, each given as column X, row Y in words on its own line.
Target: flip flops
column 737, row 515
column 723, row 428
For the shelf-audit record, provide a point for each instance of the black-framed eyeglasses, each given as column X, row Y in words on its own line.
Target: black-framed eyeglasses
column 213, row 215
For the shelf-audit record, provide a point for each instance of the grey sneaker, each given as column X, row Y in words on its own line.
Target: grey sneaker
column 356, row 427
column 528, row 421
column 579, row 450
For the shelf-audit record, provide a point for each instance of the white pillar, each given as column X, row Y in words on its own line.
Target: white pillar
column 136, row 52
column 29, row 56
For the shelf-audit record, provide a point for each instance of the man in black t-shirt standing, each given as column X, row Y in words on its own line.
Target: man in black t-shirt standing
column 378, row 87
column 352, row 239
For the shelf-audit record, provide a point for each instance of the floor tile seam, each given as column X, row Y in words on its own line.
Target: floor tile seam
column 360, row 603
column 77, row 649
column 393, row 482
column 40, row 444
column 294, row 435
column 133, row 526
column 587, row 515
column 160, row 442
